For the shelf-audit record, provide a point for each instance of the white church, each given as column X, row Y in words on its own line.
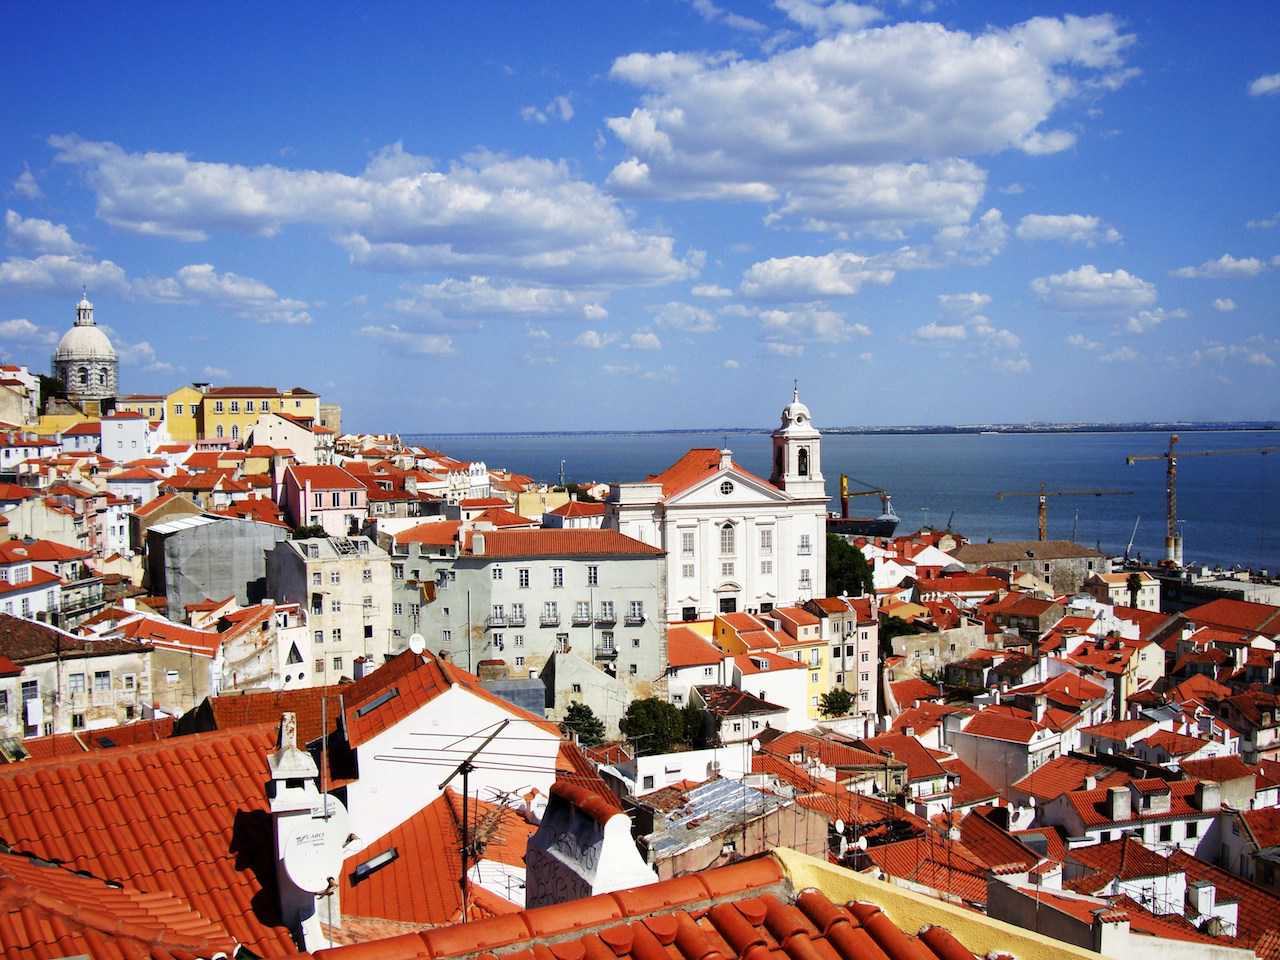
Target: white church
column 734, row 541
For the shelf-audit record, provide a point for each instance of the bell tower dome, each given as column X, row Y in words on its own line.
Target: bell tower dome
column 797, row 452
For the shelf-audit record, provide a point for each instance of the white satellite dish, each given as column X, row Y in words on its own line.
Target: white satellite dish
column 417, row 643
column 755, row 746
column 839, row 826
column 861, row 843
column 313, row 854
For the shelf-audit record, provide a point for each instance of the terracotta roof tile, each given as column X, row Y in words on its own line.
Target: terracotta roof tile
column 687, row 648
column 325, row 478
column 1064, row 774
column 578, row 508
column 1259, row 910
column 695, row 466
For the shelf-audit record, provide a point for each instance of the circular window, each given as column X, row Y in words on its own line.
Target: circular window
column 800, row 418
column 726, row 488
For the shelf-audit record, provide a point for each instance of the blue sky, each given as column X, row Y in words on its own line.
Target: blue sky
column 506, row 217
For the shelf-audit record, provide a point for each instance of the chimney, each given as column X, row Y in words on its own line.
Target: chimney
column 726, row 458
column 477, row 544
column 1208, row 796
column 1202, row 897
column 1118, row 804
column 1040, row 703
column 129, row 603
column 1091, row 782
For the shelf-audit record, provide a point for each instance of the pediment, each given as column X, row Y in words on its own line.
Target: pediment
column 747, row 490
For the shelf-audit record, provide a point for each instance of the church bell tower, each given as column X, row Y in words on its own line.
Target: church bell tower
column 797, row 453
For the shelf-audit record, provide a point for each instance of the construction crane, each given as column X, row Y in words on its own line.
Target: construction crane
column 845, row 493
column 1044, row 496
column 1172, row 538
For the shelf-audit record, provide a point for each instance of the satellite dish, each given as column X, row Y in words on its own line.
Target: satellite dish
column 418, row 643
column 839, row 826
column 1031, row 802
column 861, row 843
column 755, row 746
column 313, row 854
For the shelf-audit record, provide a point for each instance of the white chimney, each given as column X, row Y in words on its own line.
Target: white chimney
column 477, row 544
column 1202, row 897
column 1118, row 804
column 726, row 458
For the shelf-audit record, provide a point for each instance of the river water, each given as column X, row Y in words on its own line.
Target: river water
column 1230, row 506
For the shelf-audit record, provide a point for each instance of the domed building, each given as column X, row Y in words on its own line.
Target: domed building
column 85, row 361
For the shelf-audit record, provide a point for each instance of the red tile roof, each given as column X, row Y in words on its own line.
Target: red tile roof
column 501, row 517
column 934, row 861
column 921, row 764
column 1218, row 769
column 1258, row 911
column 907, row 692
column 828, row 752
column 1119, row 729
column 1091, row 805
column 578, row 508
column 1237, row 614
column 440, row 533
column 1123, row 859
column 1264, row 826
column 1174, row 744
column 996, row 723
column 739, row 911
column 686, row 648
column 563, row 543
column 325, row 478
column 992, row 845
column 694, row 467
column 103, row 738
column 184, row 816
column 970, row 788
column 1064, row 774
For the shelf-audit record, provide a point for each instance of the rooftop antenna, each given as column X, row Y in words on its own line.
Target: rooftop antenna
column 465, row 768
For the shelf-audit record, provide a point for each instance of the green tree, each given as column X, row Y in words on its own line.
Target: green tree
column 653, row 725
column 580, row 491
column 581, row 720
column 1133, row 583
column 836, row 702
column 699, row 729
column 847, row 569
column 309, row 531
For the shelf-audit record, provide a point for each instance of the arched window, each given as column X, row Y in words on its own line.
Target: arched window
column 102, row 378
column 802, row 462
column 727, row 539
column 235, row 431
column 84, row 376
column 219, row 431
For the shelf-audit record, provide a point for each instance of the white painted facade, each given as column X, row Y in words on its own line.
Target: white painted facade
column 735, row 542
column 126, row 437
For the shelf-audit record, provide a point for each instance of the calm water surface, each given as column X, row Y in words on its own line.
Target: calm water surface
column 1229, row 505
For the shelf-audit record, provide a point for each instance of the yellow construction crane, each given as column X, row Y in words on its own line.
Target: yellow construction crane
column 1044, row 495
column 1172, row 538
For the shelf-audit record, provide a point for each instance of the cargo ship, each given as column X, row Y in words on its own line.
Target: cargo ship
column 845, row 525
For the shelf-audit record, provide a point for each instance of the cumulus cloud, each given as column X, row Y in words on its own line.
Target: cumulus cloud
column 711, row 290
column 809, row 323
column 941, row 331
column 1081, row 342
column 481, row 296
column 537, row 333
column 594, row 339
column 1088, row 288
column 801, row 278
column 782, row 349
column 685, row 317
column 1225, row 267
column 714, row 13
column 22, row 329
column 1068, row 228
column 594, row 311
column 1224, row 304
column 1266, row 84
column 557, row 108
column 849, row 130
column 56, row 272
column 964, row 302
column 643, row 340
column 518, row 217
column 431, row 344
column 1120, row 355
column 215, row 373
column 1144, row 321
column 247, row 297
column 27, row 186
column 1264, row 223
column 731, row 365
column 141, row 354
column 1259, row 359
column 38, row 236
column 997, row 337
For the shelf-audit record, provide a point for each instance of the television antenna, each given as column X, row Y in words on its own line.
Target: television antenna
column 465, row 768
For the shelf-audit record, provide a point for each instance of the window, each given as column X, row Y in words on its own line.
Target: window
column 414, row 610
column 686, row 571
column 635, row 611
column 337, row 663
column 562, row 643
column 726, row 488
column 337, row 634
column 317, row 636
column 75, row 683
column 248, row 406
column 593, row 576
column 446, row 636
column 737, row 726
column 217, row 406
column 551, row 611
column 582, row 612
column 77, row 721
column 316, row 578
column 496, row 574
column 235, row 433
column 397, row 609
column 708, row 671
column 335, row 499
column 518, row 640
column 177, row 409
column 557, row 576
column 522, row 578
column 727, row 539
column 726, row 568
column 865, row 656
column 30, row 690
column 805, row 548
column 686, row 542
column 319, row 665
column 171, row 677
column 864, row 677
column 335, row 576
column 688, row 613
column 235, row 406
column 577, row 688
column 633, row 669
column 101, row 680
column 648, row 782
column 218, row 432
column 813, row 678
column 1193, row 829
column 766, row 567
column 804, row 577
column 367, row 603
column 130, row 681
column 1166, row 832
column 802, row 462
column 335, row 606
column 635, row 641
column 366, row 575
column 766, row 541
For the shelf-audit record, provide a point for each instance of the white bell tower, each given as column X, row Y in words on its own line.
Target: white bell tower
column 797, row 452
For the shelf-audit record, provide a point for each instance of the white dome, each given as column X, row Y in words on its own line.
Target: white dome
column 84, row 343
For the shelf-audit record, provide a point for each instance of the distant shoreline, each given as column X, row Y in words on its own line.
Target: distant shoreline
column 1002, row 429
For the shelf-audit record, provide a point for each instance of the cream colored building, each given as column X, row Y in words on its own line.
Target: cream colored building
column 1113, row 588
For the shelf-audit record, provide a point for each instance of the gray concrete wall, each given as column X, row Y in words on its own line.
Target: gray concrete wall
column 214, row 560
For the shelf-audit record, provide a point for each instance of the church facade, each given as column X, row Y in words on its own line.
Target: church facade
column 86, row 362
column 735, row 541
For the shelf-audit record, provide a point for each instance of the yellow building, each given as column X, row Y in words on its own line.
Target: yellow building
column 148, row 405
column 230, row 413
column 802, row 641
column 182, row 414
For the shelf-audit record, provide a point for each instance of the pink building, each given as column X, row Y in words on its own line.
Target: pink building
column 327, row 496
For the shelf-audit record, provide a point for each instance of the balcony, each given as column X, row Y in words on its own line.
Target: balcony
column 516, row 620
column 804, row 550
column 606, row 652
column 634, row 620
column 495, row 621
column 549, row 620
column 606, row 618
column 582, row 618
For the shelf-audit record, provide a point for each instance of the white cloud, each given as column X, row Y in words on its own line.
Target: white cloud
column 941, row 331
column 1120, row 355
column 810, row 323
column 1224, row 304
column 826, row 17
column 1088, row 288
column 1081, row 342
column 216, row 373
column 1265, row 223
column 537, row 333
column 594, row 339
column 997, row 337
column 810, row 278
column 481, row 296
column 713, row 13
column 557, row 108
column 711, row 290
column 685, row 317
column 594, row 312
column 967, row 244
column 781, row 349
column 731, row 365
column 963, row 302
column 202, row 283
column 866, row 357
column 1266, row 84
column 540, row 360
column 1013, row 189
column 518, row 217
column 850, row 129
column 1068, row 228
column 141, row 354
column 23, row 329
column 1259, row 359
column 56, row 272
column 1224, row 267
column 1144, row 321
column 644, row 340
column 27, row 186
column 38, row 236
column 1019, row 364
column 431, row 344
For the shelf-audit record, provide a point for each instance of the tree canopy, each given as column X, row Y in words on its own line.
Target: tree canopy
column 653, row 725
column 847, row 569
column 581, row 720
column 836, row 702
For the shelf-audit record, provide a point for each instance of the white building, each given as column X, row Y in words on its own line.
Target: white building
column 126, row 436
column 735, row 541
